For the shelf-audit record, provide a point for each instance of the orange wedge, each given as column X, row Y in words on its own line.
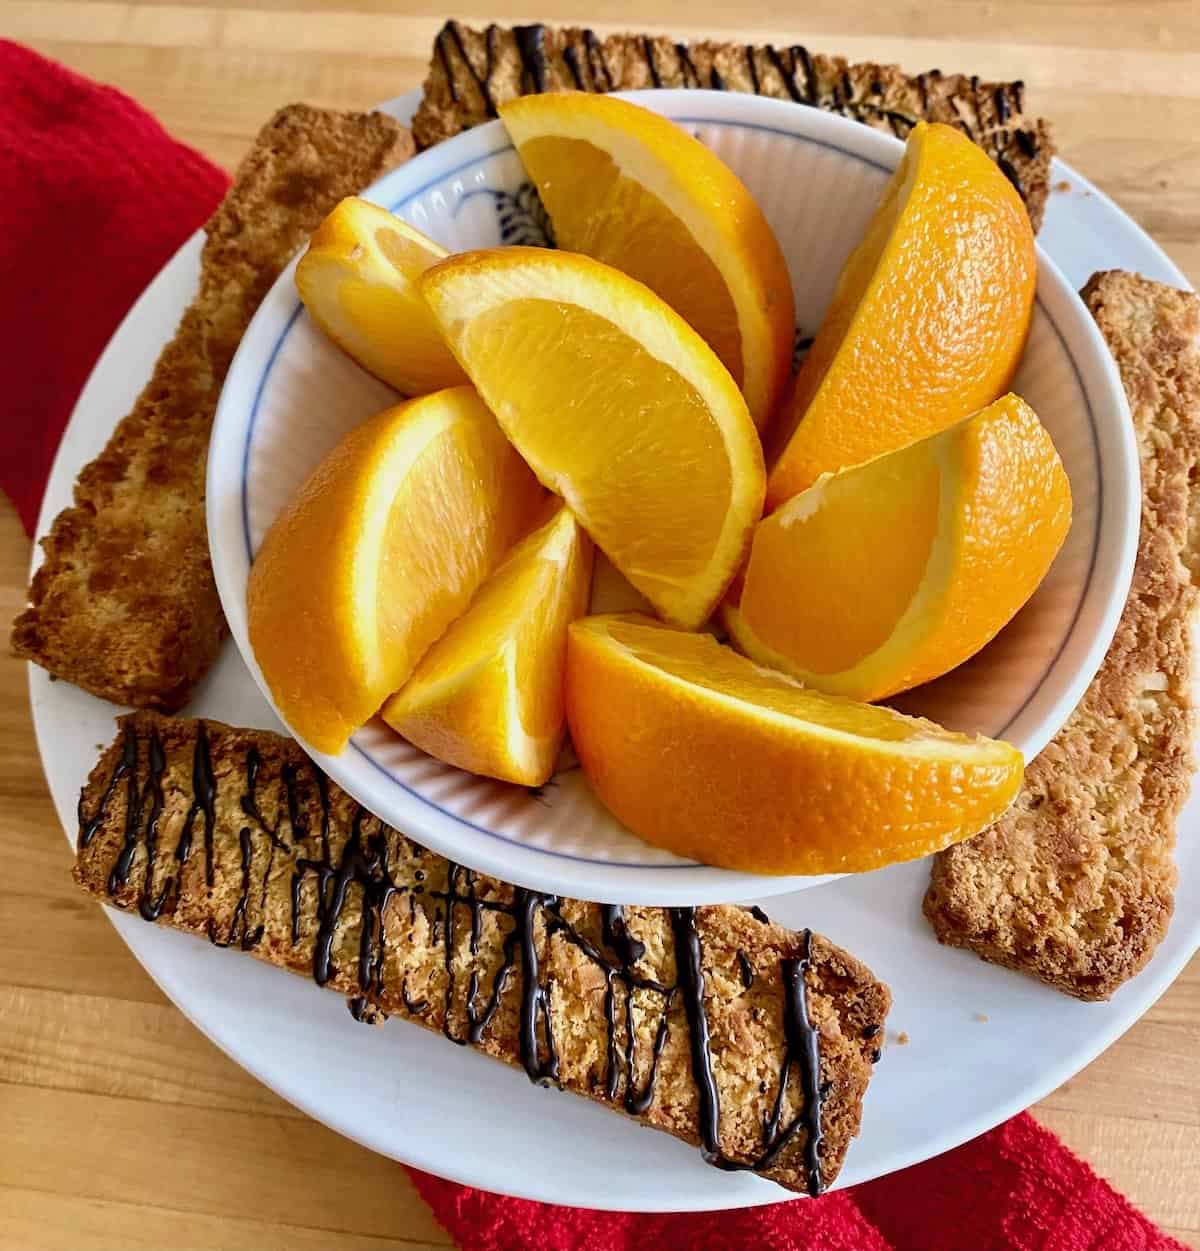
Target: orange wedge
column 379, row 551
column 619, row 407
column 636, row 191
column 700, row 751
column 928, row 319
column 488, row 695
column 890, row 574
column 358, row 281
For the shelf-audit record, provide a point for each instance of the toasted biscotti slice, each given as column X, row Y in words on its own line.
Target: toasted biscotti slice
column 124, row 603
column 472, row 71
column 713, row 1024
column 1075, row 884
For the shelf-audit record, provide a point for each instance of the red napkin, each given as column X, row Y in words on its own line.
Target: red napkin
column 94, row 198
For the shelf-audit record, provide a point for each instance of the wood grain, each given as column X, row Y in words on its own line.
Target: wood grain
column 101, row 1079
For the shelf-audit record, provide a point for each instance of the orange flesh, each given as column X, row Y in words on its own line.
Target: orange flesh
column 631, row 229
column 889, row 574
column 376, row 555
column 407, row 255
column 540, row 666
column 700, row 660
column 397, row 312
column 358, row 282
column 425, row 585
column 521, row 605
column 573, row 359
column 488, row 695
column 807, row 577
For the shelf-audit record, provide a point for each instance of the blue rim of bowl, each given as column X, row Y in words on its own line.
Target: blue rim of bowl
column 499, row 150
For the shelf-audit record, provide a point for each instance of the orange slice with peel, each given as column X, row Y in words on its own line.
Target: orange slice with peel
column 887, row 575
column 358, row 280
column 635, row 190
column 619, row 407
column 378, row 552
column 752, row 771
column 488, row 695
column 928, row 319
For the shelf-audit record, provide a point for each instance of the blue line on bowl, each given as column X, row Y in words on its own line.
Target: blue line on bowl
column 258, row 394
column 624, row 864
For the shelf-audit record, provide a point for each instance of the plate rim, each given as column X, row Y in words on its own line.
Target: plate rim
column 152, row 947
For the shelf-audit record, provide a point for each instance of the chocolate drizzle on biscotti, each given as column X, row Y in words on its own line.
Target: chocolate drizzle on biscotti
column 203, row 802
column 651, row 63
column 617, row 936
column 531, row 45
column 595, row 56
column 363, row 883
column 450, row 34
column 134, row 804
column 474, row 71
column 125, row 766
column 802, row 1050
column 574, row 63
column 687, row 67
column 746, row 968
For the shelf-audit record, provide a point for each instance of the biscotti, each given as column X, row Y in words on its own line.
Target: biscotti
column 1075, row 884
column 751, row 1041
column 472, row 71
column 124, row 603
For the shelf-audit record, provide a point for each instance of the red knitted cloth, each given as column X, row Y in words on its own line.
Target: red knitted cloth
column 94, row 198
column 1016, row 1188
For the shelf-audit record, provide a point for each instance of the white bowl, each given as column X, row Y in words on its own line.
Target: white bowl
column 290, row 395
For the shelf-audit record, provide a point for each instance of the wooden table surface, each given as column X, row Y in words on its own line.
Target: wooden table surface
column 120, row 1125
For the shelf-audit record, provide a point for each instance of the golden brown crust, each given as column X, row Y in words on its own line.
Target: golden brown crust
column 124, row 603
column 472, row 71
column 267, row 839
column 1075, row 884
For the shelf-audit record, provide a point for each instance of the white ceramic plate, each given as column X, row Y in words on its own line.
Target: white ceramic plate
column 291, row 394
column 408, row 1094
